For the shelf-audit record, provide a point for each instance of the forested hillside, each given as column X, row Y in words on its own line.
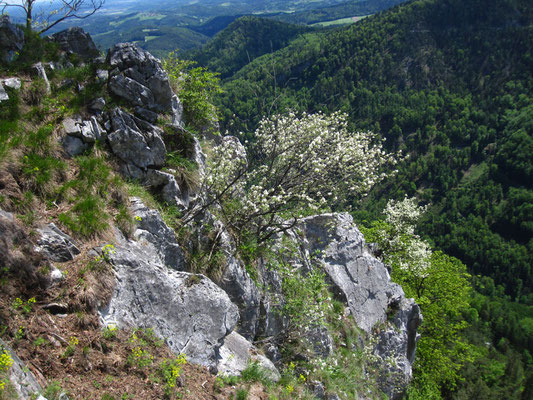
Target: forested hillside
column 449, row 83
column 244, row 40
column 344, row 10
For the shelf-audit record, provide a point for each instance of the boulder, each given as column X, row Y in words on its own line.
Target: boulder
column 139, row 78
column 189, row 311
column 13, row 83
column 11, row 39
column 55, row 244
column 97, row 105
column 74, row 146
column 136, row 141
column 237, row 353
column 76, row 41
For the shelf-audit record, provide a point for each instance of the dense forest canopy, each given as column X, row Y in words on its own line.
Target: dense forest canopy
column 447, row 82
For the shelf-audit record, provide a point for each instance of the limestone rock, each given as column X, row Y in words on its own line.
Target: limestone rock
column 145, row 114
column 41, row 73
column 55, row 244
column 13, row 83
column 74, row 146
column 11, row 39
column 136, row 141
column 24, row 382
column 138, row 77
column 152, row 228
column 237, row 353
column 102, row 75
column 190, row 311
column 3, row 94
column 234, row 279
column 97, row 105
column 166, row 184
column 364, row 284
column 76, row 41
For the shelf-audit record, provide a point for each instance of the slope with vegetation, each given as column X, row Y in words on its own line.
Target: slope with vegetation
column 448, row 83
column 98, row 287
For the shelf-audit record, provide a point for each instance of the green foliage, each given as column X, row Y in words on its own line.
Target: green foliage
column 10, row 109
column 35, row 49
column 195, row 86
column 170, row 371
column 53, row 391
column 86, row 217
column 242, row 41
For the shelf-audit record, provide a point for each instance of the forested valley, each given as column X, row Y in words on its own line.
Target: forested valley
column 449, row 84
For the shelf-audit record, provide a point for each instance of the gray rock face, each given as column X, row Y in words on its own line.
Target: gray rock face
column 76, row 41
column 152, row 228
column 244, row 293
column 11, row 39
column 136, row 141
column 138, row 77
column 13, row 83
column 234, row 280
column 272, row 322
column 55, row 244
column 364, row 284
column 166, row 184
column 25, row 383
column 3, row 94
column 190, row 311
column 237, row 353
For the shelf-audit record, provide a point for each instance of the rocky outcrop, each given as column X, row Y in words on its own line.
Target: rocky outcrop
column 81, row 134
column 55, row 244
column 152, row 228
column 233, row 279
column 11, row 39
column 189, row 310
column 139, row 78
column 236, row 355
column 76, row 41
column 136, row 141
column 334, row 243
column 22, row 379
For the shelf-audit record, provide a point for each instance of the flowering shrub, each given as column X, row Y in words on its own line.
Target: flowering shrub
column 170, row 371
column 398, row 243
column 296, row 163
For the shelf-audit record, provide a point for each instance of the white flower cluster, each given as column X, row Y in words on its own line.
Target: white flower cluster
column 405, row 249
column 299, row 163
